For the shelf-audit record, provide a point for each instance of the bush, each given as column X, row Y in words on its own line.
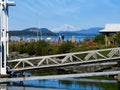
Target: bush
column 65, row 47
column 30, row 48
column 99, row 39
column 117, row 38
column 41, row 48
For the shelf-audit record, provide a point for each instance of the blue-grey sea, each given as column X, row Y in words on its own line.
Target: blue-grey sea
column 50, row 38
column 74, row 84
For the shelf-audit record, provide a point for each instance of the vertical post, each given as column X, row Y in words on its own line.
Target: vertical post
column 4, row 34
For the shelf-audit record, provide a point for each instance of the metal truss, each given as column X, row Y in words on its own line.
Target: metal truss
column 78, row 58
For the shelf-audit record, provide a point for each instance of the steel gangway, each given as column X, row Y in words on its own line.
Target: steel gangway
column 110, row 55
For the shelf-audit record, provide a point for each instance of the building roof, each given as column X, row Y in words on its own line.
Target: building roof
column 111, row 28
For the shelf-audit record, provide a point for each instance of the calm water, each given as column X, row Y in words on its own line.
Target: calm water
column 70, row 84
column 51, row 38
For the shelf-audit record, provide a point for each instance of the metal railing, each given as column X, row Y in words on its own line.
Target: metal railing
column 93, row 56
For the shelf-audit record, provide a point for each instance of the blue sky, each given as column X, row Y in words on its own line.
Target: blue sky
column 54, row 14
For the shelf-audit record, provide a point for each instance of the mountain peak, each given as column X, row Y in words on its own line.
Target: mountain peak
column 65, row 27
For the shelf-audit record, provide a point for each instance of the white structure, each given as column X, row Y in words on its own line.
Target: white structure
column 109, row 28
column 4, row 34
column 92, row 57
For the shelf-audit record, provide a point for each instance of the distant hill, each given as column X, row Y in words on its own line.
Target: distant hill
column 32, row 32
column 43, row 30
column 94, row 30
column 67, row 33
column 90, row 31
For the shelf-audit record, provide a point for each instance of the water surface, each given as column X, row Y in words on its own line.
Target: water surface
column 68, row 84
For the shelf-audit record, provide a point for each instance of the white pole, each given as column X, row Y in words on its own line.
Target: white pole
column 4, row 34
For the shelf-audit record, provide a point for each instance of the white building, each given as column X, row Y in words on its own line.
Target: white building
column 109, row 30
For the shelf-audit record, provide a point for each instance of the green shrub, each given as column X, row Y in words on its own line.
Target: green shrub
column 65, row 47
column 99, row 39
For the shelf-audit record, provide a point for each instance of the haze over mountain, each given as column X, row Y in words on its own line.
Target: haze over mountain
column 33, row 31
column 67, row 29
column 89, row 31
